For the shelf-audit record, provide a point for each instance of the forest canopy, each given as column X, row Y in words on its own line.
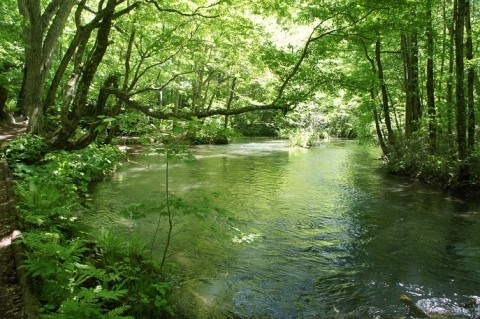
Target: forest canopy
column 401, row 72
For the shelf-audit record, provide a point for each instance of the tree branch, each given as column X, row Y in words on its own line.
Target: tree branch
column 299, row 62
column 163, row 86
column 158, row 114
column 50, row 12
column 185, row 14
column 126, row 10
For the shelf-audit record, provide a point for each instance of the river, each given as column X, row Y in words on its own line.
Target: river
column 269, row 231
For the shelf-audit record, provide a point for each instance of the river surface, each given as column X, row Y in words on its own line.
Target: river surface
column 268, row 231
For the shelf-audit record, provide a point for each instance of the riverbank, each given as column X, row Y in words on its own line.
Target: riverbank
column 11, row 298
column 444, row 177
column 11, row 290
column 77, row 272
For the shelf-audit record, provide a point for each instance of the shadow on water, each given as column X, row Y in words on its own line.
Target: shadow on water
column 306, row 233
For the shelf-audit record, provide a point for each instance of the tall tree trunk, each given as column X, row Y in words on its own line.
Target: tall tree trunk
column 383, row 88
column 3, row 103
column 430, row 85
column 117, row 109
column 72, row 117
column 378, row 128
column 461, row 124
column 177, row 101
column 470, row 80
column 451, row 74
column 33, row 36
column 413, row 111
column 231, row 95
column 373, row 94
column 41, row 35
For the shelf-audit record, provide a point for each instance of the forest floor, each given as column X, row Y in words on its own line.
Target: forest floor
column 9, row 131
column 11, row 299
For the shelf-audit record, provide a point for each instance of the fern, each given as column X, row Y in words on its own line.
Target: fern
column 118, row 312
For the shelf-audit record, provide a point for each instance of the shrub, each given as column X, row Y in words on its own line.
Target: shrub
column 106, row 276
column 27, row 149
column 209, row 131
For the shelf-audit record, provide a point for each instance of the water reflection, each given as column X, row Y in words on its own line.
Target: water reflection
column 305, row 232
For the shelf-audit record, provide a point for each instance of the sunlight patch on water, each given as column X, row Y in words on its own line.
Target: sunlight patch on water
column 300, row 232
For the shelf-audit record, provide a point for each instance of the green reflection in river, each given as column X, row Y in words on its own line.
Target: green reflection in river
column 303, row 231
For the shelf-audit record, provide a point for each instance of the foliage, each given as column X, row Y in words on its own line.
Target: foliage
column 209, row 131
column 61, row 175
column 84, row 166
column 301, row 137
column 103, row 277
column 264, row 123
column 327, row 117
column 26, row 149
column 10, row 48
column 101, row 282
column 335, row 68
column 416, row 160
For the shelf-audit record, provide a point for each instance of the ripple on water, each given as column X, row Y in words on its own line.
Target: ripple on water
column 317, row 230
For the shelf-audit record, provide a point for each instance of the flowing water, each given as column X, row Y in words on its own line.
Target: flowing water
column 268, row 231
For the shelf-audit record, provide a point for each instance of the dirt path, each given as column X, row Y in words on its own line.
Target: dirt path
column 9, row 131
column 11, row 298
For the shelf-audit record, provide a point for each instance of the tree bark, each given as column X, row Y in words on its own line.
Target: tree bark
column 33, row 36
column 230, row 99
column 378, row 128
column 41, row 36
column 373, row 94
column 470, row 80
column 430, row 85
column 383, row 88
column 412, row 102
column 72, row 117
column 461, row 123
column 451, row 74
column 3, row 103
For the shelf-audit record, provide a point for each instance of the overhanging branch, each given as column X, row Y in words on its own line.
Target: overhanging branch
column 158, row 114
column 186, row 14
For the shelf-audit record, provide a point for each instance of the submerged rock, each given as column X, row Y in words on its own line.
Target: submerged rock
column 447, row 307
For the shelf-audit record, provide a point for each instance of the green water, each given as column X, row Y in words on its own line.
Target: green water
column 295, row 233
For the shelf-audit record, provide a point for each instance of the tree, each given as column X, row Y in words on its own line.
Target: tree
column 413, row 107
column 63, row 91
column 470, row 80
column 461, row 123
column 430, row 82
column 42, row 31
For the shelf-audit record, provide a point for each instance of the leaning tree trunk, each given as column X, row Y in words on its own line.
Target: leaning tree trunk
column 41, row 35
column 71, row 118
column 373, row 94
column 383, row 88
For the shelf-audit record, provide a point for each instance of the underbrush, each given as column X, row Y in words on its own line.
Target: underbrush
column 76, row 273
column 209, row 131
column 439, row 166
